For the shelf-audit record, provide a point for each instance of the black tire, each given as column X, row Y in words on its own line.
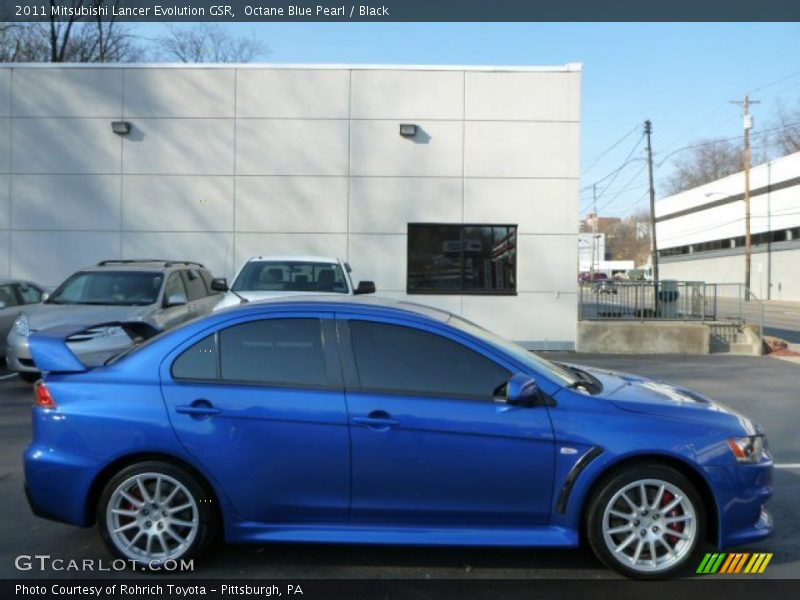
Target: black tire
column 613, row 484
column 29, row 376
column 203, row 499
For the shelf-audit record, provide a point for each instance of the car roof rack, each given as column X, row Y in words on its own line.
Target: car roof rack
column 133, row 261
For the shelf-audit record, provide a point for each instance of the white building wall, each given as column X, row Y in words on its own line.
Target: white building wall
column 226, row 162
column 774, row 271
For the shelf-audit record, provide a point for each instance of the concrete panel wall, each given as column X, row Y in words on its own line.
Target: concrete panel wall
column 223, row 163
column 5, row 92
column 65, row 202
column 291, row 147
column 177, row 203
column 293, row 93
column 412, row 95
column 772, row 275
column 90, row 93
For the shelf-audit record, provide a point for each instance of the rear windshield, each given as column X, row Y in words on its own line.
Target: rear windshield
column 291, row 276
column 114, row 288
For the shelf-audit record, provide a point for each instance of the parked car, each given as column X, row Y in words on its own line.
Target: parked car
column 587, row 276
column 270, row 276
column 604, row 286
column 121, row 302
column 15, row 294
column 325, row 419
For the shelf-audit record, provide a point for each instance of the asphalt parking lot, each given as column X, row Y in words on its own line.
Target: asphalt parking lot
column 764, row 388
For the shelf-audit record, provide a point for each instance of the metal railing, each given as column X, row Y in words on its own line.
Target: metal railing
column 671, row 301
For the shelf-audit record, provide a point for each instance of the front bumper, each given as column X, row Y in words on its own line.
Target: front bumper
column 18, row 354
column 742, row 491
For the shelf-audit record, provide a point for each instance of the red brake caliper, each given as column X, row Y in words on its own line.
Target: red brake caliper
column 675, row 512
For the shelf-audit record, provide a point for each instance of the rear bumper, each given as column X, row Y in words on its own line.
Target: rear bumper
column 742, row 492
column 57, row 484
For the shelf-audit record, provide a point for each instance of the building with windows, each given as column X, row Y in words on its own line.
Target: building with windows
column 701, row 232
column 451, row 186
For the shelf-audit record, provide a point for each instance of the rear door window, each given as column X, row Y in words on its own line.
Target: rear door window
column 194, row 284
column 8, row 296
column 200, row 361
column 175, row 286
column 30, row 294
column 286, row 352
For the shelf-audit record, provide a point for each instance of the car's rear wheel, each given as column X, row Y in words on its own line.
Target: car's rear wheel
column 29, row 376
column 646, row 522
column 154, row 511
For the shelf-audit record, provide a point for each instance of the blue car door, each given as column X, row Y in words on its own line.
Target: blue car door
column 259, row 404
column 430, row 444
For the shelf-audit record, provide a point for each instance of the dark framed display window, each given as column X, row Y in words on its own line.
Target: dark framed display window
column 461, row 259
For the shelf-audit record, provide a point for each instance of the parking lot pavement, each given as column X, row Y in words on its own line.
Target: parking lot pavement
column 764, row 388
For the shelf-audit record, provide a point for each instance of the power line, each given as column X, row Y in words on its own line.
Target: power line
column 664, row 159
column 615, row 173
column 598, row 157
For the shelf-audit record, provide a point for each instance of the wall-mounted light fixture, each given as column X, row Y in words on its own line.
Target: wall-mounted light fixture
column 121, row 127
column 408, row 129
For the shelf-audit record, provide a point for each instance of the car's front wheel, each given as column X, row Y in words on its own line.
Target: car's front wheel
column 154, row 511
column 646, row 522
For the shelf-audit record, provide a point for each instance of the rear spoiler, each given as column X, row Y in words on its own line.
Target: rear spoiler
column 50, row 351
column 52, row 354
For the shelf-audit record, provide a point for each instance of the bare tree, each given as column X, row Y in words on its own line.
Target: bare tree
column 23, row 42
column 704, row 162
column 71, row 39
column 787, row 138
column 209, row 42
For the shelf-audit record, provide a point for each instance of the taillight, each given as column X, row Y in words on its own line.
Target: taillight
column 42, row 396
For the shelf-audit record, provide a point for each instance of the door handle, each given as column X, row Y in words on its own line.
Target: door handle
column 377, row 419
column 198, row 408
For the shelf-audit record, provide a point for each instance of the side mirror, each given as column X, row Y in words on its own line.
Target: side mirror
column 219, row 284
column 365, row 287
column 178, row 299
column 2, row 304
column 521, row 390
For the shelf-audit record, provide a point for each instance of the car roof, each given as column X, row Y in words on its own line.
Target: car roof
column 342, row 302
column 148, row 265
column 295, row 258
column 5, row 281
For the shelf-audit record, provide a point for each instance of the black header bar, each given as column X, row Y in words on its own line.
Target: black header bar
column 406, row 10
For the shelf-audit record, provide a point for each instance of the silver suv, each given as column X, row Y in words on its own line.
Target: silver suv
column 113, row 305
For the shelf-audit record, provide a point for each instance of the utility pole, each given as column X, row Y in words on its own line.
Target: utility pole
column 748, row 247
column 594, row 231
column 648, row 130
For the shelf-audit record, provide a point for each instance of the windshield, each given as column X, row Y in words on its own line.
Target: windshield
column 555, row 371
column 290, row 276
column 115, row 288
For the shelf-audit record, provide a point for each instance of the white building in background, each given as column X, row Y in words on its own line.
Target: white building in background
column 701, row 232
column 473, row 209
column 588, row 256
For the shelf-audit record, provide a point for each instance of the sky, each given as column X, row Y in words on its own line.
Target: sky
column 680, row 76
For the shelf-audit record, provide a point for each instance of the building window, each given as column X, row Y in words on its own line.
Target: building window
column 461, row 259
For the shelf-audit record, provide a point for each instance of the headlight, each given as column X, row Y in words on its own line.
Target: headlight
column 748, row 449
column 114, row 331
column 21, row 326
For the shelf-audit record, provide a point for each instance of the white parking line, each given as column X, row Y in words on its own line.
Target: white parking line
column 788, row 466
column 8, row 376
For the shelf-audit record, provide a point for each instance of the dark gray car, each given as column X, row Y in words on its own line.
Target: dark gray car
column 121, row 303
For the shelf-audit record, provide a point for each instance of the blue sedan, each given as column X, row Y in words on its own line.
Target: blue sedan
column 380, row 422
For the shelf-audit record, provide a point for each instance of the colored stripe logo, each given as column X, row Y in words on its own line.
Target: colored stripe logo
column 734, row 562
